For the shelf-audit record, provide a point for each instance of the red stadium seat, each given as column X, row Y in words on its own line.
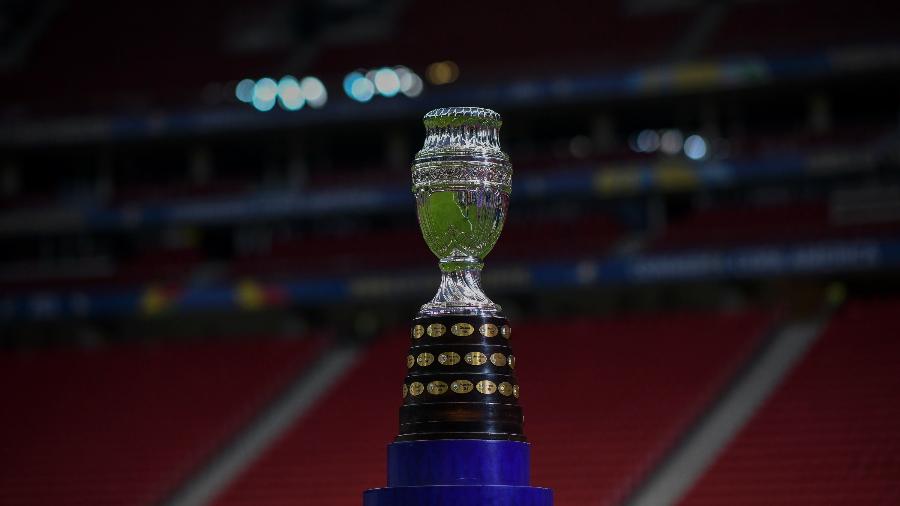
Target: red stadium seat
column 606, row 399
column 732, row 226
column 338, row 449
column 831, row 433
column 127, row 424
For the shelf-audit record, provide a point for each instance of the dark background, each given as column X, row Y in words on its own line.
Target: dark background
column 177, row 245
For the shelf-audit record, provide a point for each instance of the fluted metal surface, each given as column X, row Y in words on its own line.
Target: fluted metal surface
column 461, row 179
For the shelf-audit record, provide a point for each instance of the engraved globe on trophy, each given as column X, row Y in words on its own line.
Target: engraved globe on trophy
column 460, row 440
column 461, row 180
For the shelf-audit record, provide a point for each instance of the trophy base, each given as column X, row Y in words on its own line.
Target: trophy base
column 452, row 472
column 460, row 381
column 459, row 495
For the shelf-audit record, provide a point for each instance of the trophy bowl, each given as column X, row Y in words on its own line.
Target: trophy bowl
column 461, row 182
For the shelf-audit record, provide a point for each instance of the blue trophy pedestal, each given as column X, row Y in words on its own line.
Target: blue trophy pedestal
column 459, row 495
column 458, row 472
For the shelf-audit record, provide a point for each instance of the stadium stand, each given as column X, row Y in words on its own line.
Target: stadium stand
column 829, row 434
column 604, row 33
column 141, row 196
column 611, row 36
column 126, row 424
column 42, row 192
column 160, row 265
column 647, row 378
column 802, row 25
column 316, row 254
column 525, row 239
column 740, row 225
column 119, row 70
column 337, row 449
column 646, row 387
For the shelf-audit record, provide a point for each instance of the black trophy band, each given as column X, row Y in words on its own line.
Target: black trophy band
column 460, row 381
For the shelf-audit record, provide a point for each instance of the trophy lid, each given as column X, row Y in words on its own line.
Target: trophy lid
column 445, row 117
column 462, row 133
column 458, row 141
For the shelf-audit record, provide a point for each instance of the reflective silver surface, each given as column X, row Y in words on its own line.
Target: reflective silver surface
column 461, row 180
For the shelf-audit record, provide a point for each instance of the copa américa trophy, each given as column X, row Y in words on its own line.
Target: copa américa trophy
column 460, row 441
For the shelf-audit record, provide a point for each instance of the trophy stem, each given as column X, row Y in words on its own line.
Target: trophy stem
column 460, row 290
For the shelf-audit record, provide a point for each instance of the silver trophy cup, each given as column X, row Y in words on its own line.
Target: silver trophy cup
column 461, row 181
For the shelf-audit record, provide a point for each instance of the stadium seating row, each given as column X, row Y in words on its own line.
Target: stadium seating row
column 539, row 158
column 335, row 254
column 801, row 25
column 830, row 434
column 590, row 35
column 729, row 226
column 125, row 425
column 525, row 239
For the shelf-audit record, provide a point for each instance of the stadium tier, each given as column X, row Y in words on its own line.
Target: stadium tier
column 523, row 240
column 829, row 433
column 526, row 238
column 802, row 25
column 127, row 424
column 583, row 36
column 604, row 33
column 605, row 399
column 726, row 226
column 336, row 449
column 163, row 183
column 608, row 398
column 331, row 254
column 197, row 56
